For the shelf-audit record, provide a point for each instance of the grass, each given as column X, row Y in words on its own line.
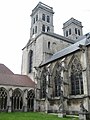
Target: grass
column 31, row 116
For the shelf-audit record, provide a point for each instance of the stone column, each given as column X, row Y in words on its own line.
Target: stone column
column 61, row 107
column 9, row 101
column 46, row 101
column 35, row 99
column 37, row 89
column 25, row 101
column 85, row 75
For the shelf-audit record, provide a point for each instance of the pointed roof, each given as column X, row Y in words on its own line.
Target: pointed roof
column 5, row 70
column 82, row 41
column 70, row 21
column 7, row 77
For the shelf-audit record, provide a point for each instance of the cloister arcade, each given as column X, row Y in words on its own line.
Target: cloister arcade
column 16, row 100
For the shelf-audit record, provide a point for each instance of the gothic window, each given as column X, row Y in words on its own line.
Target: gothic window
column 75, row 30
column 36, row 17
column 66, row 33
column 43, row 84
column 69, row 31
column 35, row 29
column 17, row 101
column 48, row 28
column 43, row 17
column 57, row 80
column 30, row 100
column 48, row 45
column 43, row 28
column 48, row 19
column 76, row 78
column 30, row 60
column 3, row 99
column 78, row 32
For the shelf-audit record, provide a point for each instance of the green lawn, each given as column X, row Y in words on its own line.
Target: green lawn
column 31, row 116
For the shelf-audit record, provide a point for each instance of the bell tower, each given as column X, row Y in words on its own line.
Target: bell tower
column 41, row 19
column 72, row 29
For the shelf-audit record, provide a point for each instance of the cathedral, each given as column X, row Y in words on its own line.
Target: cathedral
column 55, row 69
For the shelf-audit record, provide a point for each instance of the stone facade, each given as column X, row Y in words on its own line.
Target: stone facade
column 13, row 98
column 58, row 64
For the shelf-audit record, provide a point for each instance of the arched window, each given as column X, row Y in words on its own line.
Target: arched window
column 43, row 84
column 30, row 100
column 76, row 78
column 48, row 19
column 17, row 101
column 75, row 30
column 78, row 32
column 30, row 61
column 3, row 99
column 69, row 31
column 66, row 33
column 33, row 20
column 48, row 45
column 43, row 17
column 43, row 28
column 36, row 17
column 35, row 29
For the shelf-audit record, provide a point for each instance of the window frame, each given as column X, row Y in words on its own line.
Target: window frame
column 43, row 17
column 48, row 18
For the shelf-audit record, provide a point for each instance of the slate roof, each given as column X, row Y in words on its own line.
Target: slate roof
column 7, row 77
column 59, row 37
column 84, row 40
column 70, row 21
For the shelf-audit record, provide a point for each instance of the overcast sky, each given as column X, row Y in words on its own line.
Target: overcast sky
column 15, row 25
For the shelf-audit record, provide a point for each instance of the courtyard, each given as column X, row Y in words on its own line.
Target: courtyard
column 32, row 116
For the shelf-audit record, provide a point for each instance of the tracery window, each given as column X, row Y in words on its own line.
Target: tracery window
column 30, row 100
column 76, row 78
column 17, row 101
column 43, row 84
column 3, row 99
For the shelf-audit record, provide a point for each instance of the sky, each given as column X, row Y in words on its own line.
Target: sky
column 15, row 23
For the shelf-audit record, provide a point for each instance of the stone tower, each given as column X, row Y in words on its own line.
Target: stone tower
column 41, row 19
column 72, row 29
column 43, row 42
column 36, row 50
